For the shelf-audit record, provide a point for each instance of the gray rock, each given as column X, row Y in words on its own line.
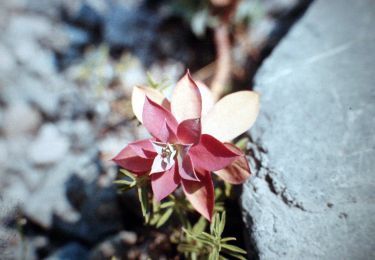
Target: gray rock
column 20, row 118
column 71, row 251
column 81, row 132
column 312, row 196
column 49, row 147
column 49, row 201
column 99, row 208
column 118, row 245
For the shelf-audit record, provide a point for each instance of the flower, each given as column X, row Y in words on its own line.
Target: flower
column 188, row 141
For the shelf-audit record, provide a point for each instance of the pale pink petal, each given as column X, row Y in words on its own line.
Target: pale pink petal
column 238, row 171
column 186, row 101
column 158, row 165
column 164, row 183
column 136, row 157
column 208, row 100
column 189, row 131
column 186, row 168
column 162, row 164
column 138, row 99
column 201, row 194
column 155, row 119
column 232, row 115
column 211, row 155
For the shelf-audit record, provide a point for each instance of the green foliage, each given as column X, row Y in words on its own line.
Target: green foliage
column 195, row 12
column 200, row 16
column 157, row 85
column 142, row 184
column 194, row 242
column 200, row 244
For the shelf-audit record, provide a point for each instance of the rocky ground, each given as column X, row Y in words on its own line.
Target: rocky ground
column 66, row 73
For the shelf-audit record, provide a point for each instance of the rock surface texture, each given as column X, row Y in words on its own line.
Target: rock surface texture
column 312, row 193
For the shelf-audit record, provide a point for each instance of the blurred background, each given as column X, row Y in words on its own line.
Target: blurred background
column 67, row 68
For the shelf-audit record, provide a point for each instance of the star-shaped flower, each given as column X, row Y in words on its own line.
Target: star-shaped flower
column 188, row 141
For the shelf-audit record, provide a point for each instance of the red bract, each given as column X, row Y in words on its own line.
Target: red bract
column 186, row 146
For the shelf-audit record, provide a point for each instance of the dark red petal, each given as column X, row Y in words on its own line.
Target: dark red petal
column 133, row 158
column 201, row 194
column 167, row 134
column 185, row 168
column 189, row 131
column 154, row 118
column 210, row 154
column 143, row 148
column 238, row 171
column 164, row 183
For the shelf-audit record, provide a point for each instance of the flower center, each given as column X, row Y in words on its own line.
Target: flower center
column 167, row 150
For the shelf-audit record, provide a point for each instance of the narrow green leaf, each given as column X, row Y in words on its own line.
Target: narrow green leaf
column 205, row 241
column 125, row 188
column 186, row 248
column 228, row 189
column 155, row 218
column 127, row 174
column 221, row 224
column 214, row 255
column 151, row 81
column 204, row 234
column 216, row 224
column 228, row 239
column 164, row 218
column 233, row 248
column 200, row 226
column 167, row 204
column 237, row 256
column 145, row 203
column 212, row 225
column 242, row 143
column 125, row 182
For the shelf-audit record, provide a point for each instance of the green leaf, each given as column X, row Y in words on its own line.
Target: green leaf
column 214, row 255
column 212, row 225
column 232, row 248
column 167, row 204
column 242, row 143
column 124, row 188
column 206, row 241
column 228, row 239
column 204, row 234
column 145, row 202
column 155, row 218
column 216, row 224
column 164, row 218
column 127, row 174
column 200, row 226
column 221, row 225
column 124, row 182
column 228, row 189
column 237, row 256
column 203, row 237
column 186, row 248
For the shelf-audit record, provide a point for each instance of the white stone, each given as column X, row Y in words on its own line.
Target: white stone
column 20, row 118
column 49, row 147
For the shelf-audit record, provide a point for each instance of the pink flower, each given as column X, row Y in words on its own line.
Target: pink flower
column 187, row 140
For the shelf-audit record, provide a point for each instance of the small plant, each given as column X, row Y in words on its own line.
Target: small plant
column 173, row 169
column 210, row 244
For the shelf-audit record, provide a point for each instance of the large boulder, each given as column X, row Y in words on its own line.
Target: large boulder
column 312, row 194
